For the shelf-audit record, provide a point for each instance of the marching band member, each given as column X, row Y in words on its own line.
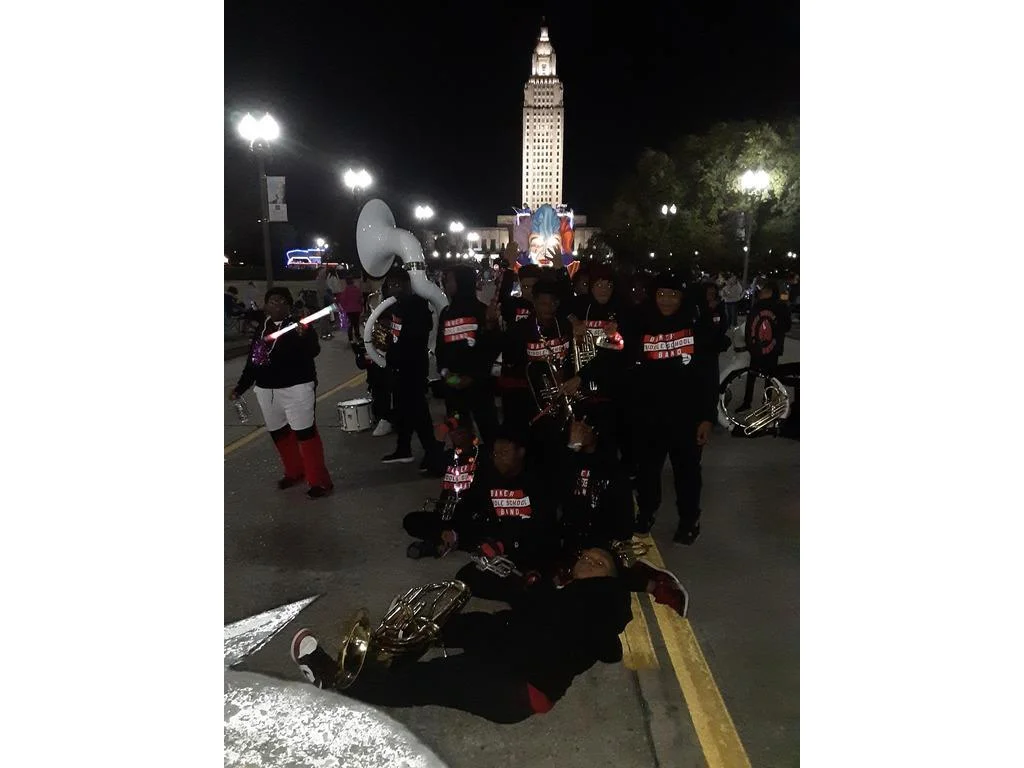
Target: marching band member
column 524, row 343
column 515, row 663
column 509, row 511
column 768, row 322
column 597, row 510
column 435, row 528
column 464, row 353
column 674, row 391
column 597, row 499
column 603, row 379
column 284, row 373
column 411, row 323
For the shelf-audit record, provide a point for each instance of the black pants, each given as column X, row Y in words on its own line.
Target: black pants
column 381, row 391
column 677, row 440
column 477, row 401
column 413, row 413
column 353, row 324
column 473, row 681
column 766, row 365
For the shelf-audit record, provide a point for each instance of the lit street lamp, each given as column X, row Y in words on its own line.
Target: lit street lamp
column 456, row 226
column 357, row 181
column 259, row 134
column 424, row 212
column 754, row 183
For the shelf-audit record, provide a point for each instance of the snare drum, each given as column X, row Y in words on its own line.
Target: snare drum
column 355, row 415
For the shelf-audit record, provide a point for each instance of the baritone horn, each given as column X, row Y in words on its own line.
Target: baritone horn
column 378, row 241
column 409, row 628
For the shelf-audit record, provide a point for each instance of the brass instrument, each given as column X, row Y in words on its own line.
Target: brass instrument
column 762, row 420
column 411, row 625
column 630, row 551
column 499, row 565
column 547, row 391
column 583, row 351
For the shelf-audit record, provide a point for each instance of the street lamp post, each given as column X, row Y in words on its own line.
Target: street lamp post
column 259, row 134
column 667, row 209
column 754, row 183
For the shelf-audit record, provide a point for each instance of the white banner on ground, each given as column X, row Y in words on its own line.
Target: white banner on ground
column 275, row 197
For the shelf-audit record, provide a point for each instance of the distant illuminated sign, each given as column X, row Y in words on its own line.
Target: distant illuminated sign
column 304, row 257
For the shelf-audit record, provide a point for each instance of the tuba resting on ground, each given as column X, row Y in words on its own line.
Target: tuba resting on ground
column 378, row 241
column 410, row 627
column 761, row 420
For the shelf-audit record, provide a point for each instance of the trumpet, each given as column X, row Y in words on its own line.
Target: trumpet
column 409, row 628
column 499, row 565
column 547, row 391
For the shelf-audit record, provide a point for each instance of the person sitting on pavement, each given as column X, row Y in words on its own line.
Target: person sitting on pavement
column 433, row 527
column 509, row 513
column 515, row 663
column 284, row 374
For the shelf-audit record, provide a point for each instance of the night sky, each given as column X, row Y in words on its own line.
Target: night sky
column 429, row 98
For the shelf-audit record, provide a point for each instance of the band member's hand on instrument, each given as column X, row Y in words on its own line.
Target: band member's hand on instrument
column 571, row 387
column 579, row 329
column 579, row 432
column 449, row 540
column 703, row 433
column 491, row 548
column 301, row 329
column 611, row 328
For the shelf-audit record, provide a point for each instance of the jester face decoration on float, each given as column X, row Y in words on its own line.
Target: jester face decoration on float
column 544, row 237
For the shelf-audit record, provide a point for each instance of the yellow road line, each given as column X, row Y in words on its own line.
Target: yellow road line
column 637, row 648
column 711, row 720
column 243, row 441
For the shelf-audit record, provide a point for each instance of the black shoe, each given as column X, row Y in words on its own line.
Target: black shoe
column 419, row 549
column 686, row 534
column 643, row 524
column 287, row 482
column 316, row 666
column 318, row 492
column 398, row 458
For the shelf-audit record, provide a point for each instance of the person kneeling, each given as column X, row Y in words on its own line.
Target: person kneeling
column 514, row 664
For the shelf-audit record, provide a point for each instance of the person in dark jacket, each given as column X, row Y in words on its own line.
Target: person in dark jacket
column 434, row 527
column 596, row 495
column 411, row 323
column 768, row 322
column 284, row 373
column 465, row 353
column 510, row 510
column 603, row 382
column 674, row 394
column 515, row 663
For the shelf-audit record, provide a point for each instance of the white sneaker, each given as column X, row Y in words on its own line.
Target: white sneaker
column 383, row 428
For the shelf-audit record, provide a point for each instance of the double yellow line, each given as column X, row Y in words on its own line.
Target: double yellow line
column 711, row 720
column 243, row 441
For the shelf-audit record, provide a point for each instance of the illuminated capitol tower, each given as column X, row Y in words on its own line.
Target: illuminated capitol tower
column 543, row 128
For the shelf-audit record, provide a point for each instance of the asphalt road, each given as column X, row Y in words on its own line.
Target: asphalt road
column 742, row 574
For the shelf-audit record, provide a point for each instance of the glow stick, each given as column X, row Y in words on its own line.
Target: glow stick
column 304, row 321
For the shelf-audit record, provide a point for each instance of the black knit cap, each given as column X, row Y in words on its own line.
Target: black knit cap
column 281, row 291
column 601, row 272
column 512, row 434
column 670, row 280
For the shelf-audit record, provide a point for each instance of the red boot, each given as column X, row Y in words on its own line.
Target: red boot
column 315, row 470
column 288, row 449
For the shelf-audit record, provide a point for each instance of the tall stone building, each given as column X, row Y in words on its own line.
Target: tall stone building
column 543, row 129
